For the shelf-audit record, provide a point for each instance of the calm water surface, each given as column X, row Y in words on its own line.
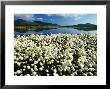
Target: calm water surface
column 56, row 31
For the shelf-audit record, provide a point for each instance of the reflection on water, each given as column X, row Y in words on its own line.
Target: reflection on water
column 57, row 30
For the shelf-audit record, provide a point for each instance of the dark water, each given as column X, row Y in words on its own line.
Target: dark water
column 56, row 31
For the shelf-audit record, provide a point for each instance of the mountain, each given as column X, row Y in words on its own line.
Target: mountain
column 86, row 25
column 21, row 22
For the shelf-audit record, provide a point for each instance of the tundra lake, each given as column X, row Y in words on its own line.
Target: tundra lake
column 56, row 31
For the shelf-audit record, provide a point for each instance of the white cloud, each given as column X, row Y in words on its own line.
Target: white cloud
column 78, row 16
column 75, row 16
column 51, row 14
column 27, row 17
column 41, row 19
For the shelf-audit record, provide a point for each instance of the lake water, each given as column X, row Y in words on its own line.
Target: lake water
column 56, row 31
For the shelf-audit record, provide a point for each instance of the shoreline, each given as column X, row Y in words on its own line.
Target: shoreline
column 56, row 34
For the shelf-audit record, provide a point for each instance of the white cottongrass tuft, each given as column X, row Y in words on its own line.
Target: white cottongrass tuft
column 55, row 55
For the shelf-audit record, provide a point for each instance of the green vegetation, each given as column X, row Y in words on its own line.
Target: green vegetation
column 25, row 28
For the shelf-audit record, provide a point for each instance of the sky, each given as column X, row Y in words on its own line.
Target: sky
column 60, row 19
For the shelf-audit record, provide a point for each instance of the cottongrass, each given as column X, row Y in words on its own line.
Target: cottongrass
column 55, row 54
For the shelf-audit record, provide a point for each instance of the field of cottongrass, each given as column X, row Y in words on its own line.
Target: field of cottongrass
column 55, row 55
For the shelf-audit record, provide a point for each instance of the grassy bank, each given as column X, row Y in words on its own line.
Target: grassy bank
column 37, row 28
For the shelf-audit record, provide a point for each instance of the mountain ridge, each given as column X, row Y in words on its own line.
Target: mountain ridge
column 21, row 22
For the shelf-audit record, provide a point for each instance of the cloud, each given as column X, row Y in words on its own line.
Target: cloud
column 51, row 14
column 75, row 16
column 41, row 19
column 78, row 16
column 27, row 17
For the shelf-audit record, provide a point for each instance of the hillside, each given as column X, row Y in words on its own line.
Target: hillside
column 20, row 22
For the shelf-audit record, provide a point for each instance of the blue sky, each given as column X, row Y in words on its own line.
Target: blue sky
column 60, row 19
